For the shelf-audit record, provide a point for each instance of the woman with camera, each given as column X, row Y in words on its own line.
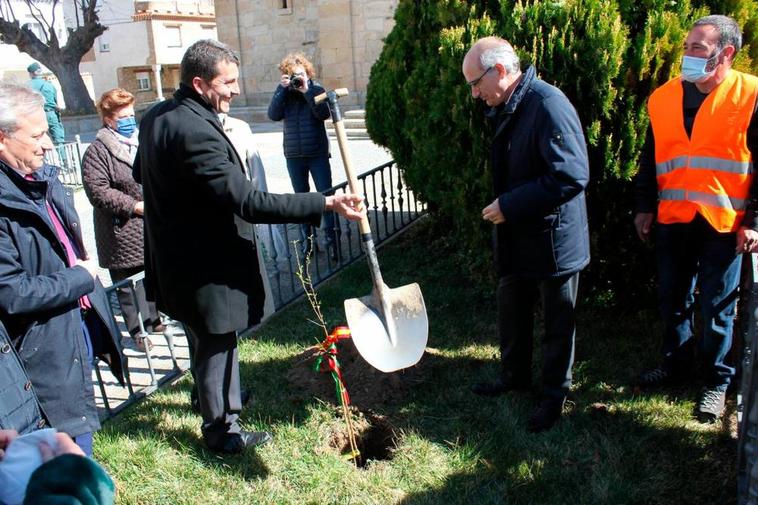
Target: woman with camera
column 306, row 146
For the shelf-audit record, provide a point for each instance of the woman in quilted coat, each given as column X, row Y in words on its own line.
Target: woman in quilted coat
column 118, row 208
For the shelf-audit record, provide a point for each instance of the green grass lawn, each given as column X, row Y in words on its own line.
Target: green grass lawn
column 614, row 445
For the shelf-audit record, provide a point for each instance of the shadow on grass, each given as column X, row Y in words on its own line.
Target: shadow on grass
column 635, row 449
column 148, row 420
column 593, row 458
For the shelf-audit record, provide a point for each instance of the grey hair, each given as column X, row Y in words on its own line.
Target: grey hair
column 202, row 58
column 729, row 30
column 15, row 102
column 503, row 54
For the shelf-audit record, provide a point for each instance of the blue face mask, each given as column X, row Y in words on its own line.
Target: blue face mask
column 694, row 68
column 126, row 126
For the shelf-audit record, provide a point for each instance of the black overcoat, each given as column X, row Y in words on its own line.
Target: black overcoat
column 39, row 299
column 540, row 169
column 203, row 272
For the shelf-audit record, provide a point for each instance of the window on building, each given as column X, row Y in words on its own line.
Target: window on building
column 173, row 36
column 143, row 81
column 209, row 31
column 284, row 6
column 104, row 44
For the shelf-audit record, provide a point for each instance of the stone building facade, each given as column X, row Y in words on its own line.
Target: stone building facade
column 343, row 38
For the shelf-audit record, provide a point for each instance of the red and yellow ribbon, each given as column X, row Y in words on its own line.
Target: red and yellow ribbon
column 327, row 361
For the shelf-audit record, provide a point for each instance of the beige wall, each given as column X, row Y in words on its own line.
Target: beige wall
column 137, row 38
column 342, row 38
column 191, row 32
column 127, row 45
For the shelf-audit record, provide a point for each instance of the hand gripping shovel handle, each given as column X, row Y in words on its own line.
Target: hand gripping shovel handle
column 339, row 127
column 352, row 182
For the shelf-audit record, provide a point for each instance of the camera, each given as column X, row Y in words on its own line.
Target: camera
column 297, row 81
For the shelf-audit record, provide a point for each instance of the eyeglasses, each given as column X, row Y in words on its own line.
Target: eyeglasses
column 475, row 82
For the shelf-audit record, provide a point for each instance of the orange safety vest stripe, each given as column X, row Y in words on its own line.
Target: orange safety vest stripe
column 710, row 172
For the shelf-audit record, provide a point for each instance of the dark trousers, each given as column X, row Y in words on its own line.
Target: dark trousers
column 84, row 440
column 130, row 306
column 318, row 167
column 215, row 368
column 516, row 301
column 691, row 254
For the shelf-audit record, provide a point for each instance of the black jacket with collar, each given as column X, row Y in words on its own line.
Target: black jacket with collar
column 39, row 296
column 203, row 272
column 540, row 169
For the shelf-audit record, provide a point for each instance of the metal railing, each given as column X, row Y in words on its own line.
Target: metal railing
column 391, row 207
column 133, row 364
column 67, row 157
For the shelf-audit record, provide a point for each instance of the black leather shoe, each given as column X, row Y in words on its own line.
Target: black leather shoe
column 545, row 416
column 244, row 396
column 499, row 387
column 235, row 443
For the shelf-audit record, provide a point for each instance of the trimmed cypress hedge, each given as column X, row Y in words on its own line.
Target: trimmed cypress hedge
column 606, row 55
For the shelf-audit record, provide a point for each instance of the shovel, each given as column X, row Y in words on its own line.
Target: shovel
column 389, row 326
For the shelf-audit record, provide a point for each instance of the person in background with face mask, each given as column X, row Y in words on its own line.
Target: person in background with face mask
column 696, row 193
column 118, row 209
column 204, row 271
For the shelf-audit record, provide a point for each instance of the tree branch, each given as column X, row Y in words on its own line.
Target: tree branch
column 40, row 18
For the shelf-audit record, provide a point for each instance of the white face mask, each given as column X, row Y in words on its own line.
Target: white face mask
column 694, row 68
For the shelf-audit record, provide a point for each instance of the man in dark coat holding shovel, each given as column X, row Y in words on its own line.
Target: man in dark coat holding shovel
column 539, row 168
column 204, row 272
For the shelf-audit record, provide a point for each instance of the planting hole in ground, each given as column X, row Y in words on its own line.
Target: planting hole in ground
column 374, row 436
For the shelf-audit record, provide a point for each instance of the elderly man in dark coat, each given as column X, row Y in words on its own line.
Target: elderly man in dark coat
column 204, row 272
column 51, row 302
column 539, row 169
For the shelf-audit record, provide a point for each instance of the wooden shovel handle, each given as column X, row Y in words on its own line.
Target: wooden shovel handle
column 340, row 92
column 352, row 181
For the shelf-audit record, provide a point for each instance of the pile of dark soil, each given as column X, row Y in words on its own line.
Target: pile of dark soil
column 368, row 387
column 369, row 391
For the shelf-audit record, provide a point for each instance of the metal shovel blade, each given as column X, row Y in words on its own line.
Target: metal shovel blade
column 390, row 328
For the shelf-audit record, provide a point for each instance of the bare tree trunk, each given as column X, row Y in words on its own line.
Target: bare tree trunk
column 62, row 61
column 75, row 92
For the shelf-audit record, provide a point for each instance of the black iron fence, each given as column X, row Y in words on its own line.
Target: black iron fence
column 391, row 207
column 144, row 370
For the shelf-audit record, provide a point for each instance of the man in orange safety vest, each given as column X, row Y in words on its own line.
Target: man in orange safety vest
column 696, row 184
